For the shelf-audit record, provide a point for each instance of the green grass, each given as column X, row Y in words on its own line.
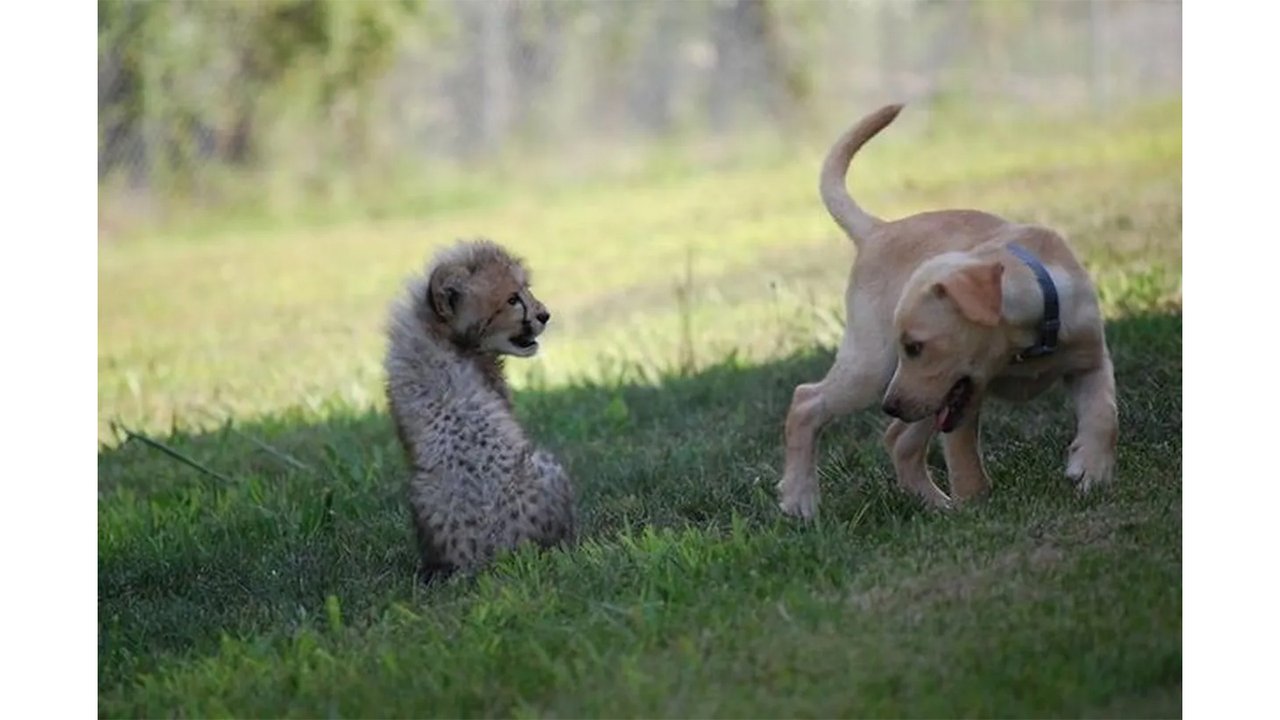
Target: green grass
column 284, row 586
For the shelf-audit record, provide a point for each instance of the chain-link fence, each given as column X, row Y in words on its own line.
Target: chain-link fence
column 222, row 102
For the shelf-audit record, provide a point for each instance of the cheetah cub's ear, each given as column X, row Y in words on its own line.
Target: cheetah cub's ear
column 444, row 290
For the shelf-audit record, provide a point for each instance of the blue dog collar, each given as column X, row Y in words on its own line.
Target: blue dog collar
column 1047, row 340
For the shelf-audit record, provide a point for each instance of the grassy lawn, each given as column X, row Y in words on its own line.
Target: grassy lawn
column 688, row 303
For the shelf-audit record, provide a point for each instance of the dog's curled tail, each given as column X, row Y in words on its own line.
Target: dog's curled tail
column 856, row 222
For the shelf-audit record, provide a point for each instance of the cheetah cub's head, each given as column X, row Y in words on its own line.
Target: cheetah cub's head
column 480, row 293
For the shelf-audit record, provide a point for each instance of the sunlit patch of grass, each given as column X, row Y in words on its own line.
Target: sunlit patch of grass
column 251, row 323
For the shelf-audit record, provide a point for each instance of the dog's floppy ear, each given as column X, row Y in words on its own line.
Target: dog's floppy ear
column 975, row 289
column 444, row 290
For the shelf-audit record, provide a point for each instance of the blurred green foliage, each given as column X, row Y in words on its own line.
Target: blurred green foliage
column 204, row 74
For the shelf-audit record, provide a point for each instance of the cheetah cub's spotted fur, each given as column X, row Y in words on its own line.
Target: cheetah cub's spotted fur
column 478, row 485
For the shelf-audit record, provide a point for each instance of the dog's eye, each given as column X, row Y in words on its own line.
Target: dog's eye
column 912, row 349
column 513, row 299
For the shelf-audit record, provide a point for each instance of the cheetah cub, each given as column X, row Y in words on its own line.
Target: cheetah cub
column 478, row 485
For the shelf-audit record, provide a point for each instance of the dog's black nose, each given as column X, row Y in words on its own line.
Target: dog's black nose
column 543, row 317
column 890, row 408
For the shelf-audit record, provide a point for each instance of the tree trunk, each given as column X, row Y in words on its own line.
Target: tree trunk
column 495, row 68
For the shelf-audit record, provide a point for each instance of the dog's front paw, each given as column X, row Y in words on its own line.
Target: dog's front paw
column 798, row 499
column 1089, row 465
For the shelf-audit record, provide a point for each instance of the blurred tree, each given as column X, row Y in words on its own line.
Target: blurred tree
column 651, row 92
column 182, row 76
column 275, row 103
column 752, row 64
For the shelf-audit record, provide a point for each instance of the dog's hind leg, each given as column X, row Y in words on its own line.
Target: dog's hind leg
column 962, row 448
column 908, row 445
column 856, row 381
column 1092, row 457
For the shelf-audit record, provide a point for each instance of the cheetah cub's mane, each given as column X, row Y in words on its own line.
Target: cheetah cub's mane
column 477, row 486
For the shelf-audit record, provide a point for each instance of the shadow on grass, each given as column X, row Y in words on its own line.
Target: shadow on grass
column 314, row 510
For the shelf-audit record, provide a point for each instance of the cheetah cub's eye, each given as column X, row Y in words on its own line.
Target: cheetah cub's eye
column 515, row 298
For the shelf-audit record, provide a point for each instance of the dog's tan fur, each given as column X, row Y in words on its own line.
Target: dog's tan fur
column 945, row 280
column 478, row 486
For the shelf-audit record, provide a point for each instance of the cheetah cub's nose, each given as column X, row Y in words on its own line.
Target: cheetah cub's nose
column 543, row 317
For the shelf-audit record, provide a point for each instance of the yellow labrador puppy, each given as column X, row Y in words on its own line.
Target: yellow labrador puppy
column 943, row 309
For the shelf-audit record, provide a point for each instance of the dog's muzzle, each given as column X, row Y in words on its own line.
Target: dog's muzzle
column 953, row 405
